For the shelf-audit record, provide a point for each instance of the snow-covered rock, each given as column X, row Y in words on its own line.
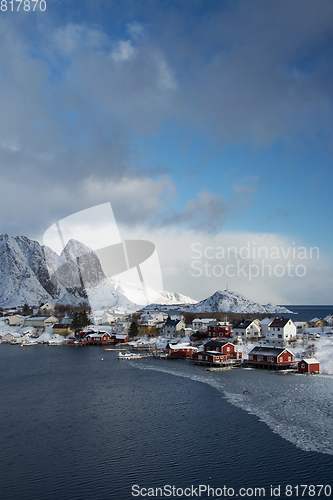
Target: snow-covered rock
column 227, row 301
column 35, row 274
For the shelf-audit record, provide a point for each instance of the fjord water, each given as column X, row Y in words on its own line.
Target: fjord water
column 76, row 426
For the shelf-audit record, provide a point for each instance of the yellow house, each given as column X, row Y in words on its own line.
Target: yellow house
column 316, row 322
column 148, row 330
column 62, row 329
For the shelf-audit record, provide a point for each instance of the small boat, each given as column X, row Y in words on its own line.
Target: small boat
column 129, row 355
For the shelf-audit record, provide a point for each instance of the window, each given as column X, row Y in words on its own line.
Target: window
column 280, row 335
column 260, row 358
column 289, row 358
column 270, row 359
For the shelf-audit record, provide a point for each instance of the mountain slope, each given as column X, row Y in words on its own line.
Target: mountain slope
column 33, row 274
column 227, row 301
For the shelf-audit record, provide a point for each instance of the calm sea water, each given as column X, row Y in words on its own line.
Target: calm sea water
column 306, row 313
column 76, row 426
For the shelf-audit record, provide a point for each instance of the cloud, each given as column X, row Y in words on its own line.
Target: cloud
column 75, row 98
column 196, row 264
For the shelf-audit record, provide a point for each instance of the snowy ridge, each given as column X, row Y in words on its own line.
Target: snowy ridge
column 33, row 274
column 227, row 301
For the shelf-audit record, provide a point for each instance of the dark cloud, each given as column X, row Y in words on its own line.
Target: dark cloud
column 77, row 92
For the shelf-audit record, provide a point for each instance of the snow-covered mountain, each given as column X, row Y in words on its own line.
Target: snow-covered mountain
column 31, row 273
column 227, row 301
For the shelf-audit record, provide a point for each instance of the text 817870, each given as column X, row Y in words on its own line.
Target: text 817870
column 26, row 5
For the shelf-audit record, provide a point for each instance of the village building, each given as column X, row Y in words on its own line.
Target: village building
column 185, row 332
column 172, row 328
column 98, row 338
column 46, row 309
column 147, row 330
column 264, row 325
column 273, row 358
column 181, row 350
column 15, row 320
column 316, row 323
column 309, row 365
column 61, row 329
column 122, row 326
column 301, row 326
column 248, row 329
column 151, row 318
column 201, row 324
column 215, row 352
column 40, row 321
column 281, row 332
column 111, row 318
column 120, row 338
column 328, row 320
column 224, row 331
column 11, row 337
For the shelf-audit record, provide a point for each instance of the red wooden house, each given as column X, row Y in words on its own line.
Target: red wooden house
column 310, row 365
column 181, row 350
column 98, row 338
column 274, row 358
column 215, row 352
column 120, row 338
column 219, row 331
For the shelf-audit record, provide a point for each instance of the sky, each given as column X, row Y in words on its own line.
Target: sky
column 206, row 124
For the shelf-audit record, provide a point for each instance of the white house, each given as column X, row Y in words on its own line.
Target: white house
column 111, row 318
column 40, row 321
column 328, row 320
column 281, row 332
column 247, row 329
column 46, row 308
column 301, row 325
column 12, row 337
column 152, row 318
column 264, row 325
column 15, row 320
column 122, row 327
column 172, row 328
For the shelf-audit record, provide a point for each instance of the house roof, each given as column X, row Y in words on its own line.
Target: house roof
column 266, row 321
column 182, row 346
column 203, row 320
column 39, row 318
column 279, row 322
column 172, row 322
column 314, row 320
column 268, row 351
column 310, row 361
column 243, row 324
column 99, row 335
column 213, row 343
